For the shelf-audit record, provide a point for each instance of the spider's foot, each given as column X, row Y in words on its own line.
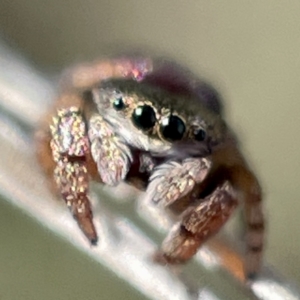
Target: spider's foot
column 89, row 231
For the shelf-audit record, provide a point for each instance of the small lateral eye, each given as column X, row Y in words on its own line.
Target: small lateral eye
column 144, row 117
column 118, row 103
column 172, row 128
column 199, row 135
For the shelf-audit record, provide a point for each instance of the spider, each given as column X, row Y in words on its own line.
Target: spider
column 155, row 125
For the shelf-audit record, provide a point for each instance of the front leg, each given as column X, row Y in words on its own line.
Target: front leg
column 65, row 155
column 70, row 147
column 199, row 222
column 177, row 186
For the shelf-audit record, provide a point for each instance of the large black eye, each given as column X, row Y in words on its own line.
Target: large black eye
column 172, row 128
column 144, row 117
column 199, row 135
column 119, row 103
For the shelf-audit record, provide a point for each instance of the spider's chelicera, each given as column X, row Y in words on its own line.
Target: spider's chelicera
column 152, row 124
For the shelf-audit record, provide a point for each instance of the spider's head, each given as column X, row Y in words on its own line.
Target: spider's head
column 151, row 119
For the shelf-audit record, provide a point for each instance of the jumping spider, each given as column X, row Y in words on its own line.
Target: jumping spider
column 154, row 125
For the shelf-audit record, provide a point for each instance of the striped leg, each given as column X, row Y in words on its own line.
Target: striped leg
column 247, row 185
column 232, row 166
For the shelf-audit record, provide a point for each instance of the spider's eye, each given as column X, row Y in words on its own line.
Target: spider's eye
column 199, row 135
column 118, row 103
column 144, row 117
column 172, row 128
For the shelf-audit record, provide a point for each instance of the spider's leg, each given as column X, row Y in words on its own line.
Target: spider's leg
column 235, row 169
column 247, row 185
column 44, row 152
column 177, row 184
column 43, row 137
column 70, row 146
column 199, row 222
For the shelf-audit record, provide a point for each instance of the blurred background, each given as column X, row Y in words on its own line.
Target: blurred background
column 249, row 50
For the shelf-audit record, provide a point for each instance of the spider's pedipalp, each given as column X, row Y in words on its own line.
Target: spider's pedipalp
column 173, row 180
column 111, row 155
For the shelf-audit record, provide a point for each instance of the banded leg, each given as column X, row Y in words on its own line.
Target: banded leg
column 233, row 166
column 198, row 224
column 247, row 185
